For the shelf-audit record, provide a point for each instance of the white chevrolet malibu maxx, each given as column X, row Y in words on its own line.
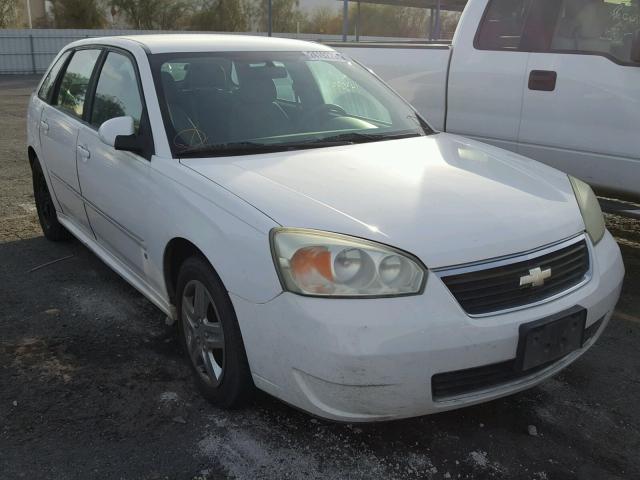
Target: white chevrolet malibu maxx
column 310, row 233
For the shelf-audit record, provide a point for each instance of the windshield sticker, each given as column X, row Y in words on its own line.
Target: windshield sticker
column 327, row 56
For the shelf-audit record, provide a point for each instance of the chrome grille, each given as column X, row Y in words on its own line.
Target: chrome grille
column 492, row 289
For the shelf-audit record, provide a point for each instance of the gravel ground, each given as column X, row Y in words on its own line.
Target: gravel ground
column 92, row 384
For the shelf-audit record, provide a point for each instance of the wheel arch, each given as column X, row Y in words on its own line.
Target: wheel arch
column 177, row 250
column 31, row 153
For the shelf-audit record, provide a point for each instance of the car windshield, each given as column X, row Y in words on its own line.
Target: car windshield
column 234, row 103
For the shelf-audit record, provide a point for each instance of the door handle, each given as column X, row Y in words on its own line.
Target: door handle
column 85, row 154
column 45, row 126
column 543, row 80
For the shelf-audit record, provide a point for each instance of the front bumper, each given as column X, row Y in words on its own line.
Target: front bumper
column 368, row 360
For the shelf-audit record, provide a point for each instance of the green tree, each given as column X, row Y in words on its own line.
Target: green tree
column 78, row 14
column 155, row 14
column 223, row 16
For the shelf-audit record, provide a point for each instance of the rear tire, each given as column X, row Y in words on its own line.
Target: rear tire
column 51, row 227
column 210, row 336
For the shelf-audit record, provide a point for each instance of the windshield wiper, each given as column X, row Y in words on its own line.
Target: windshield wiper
column 359, row 137
column 247, row 148
column 222, row 149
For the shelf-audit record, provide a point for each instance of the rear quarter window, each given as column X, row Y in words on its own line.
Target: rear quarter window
column 46, row 90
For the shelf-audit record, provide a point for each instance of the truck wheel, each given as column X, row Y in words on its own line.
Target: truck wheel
column 51, row 227
column 210, row 335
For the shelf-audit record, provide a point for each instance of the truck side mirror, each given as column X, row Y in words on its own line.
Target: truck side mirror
column 635, row 47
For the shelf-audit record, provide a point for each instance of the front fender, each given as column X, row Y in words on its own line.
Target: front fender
column 233, row 235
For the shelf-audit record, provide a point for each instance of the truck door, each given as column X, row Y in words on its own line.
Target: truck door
column 487, row 73
column 581, row 106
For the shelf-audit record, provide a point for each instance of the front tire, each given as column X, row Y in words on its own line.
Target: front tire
column 51, row 227
column 210, row 335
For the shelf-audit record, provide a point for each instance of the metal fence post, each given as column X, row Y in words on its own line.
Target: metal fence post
column 33, row 55
column 270, row 8
column 438, row 24
column 358, row 23
column 345, row 20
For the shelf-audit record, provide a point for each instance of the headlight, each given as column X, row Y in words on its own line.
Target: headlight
column 323, row 264
column 590, row 209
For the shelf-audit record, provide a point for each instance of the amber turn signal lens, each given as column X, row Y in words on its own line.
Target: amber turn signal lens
column 311, row 267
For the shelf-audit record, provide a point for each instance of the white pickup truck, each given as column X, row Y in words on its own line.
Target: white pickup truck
column 554, row 80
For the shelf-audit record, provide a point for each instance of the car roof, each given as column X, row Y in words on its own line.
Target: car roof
column 169, row 43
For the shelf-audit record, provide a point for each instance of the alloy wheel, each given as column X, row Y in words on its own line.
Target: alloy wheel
column 203, row 332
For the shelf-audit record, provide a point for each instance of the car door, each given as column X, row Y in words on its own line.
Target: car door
column 486, row 76
column 115, row 183
column 41, row 100
column 59, row 126
column 581, row 107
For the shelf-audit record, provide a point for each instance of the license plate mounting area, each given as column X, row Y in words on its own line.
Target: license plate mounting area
column 551, row 338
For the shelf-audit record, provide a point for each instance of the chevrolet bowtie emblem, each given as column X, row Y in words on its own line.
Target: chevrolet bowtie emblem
column 536, row 277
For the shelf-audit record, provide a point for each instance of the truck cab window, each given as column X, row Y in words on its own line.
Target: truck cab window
column 599, row 27
column 503, row 24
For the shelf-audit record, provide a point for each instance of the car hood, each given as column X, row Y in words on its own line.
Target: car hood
column 444, row 198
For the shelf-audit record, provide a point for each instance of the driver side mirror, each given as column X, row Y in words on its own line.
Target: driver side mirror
column 635, row 47
column 119, row 133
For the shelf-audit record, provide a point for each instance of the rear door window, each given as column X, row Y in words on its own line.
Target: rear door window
column 75, row 82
